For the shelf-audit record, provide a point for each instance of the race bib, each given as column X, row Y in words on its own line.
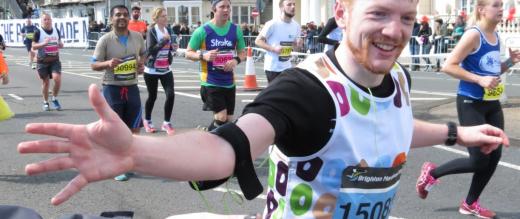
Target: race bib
column 29, row 36
column 161, row 62
column 285, row 53
column 367, row 192
column 51, row 49
column 222, row 58
column 127, row 69
column 494, row 93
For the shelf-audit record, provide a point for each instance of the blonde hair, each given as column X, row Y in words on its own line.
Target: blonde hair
column 475, row 16
column 155, row 15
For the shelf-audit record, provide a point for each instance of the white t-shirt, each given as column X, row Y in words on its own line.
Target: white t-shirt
column 278, row 32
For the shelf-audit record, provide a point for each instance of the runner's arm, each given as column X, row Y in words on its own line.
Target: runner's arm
column 467, row 44
column 485, row 136
column 329, row 27
column 106, row 148
column 261, row 41
column 514, row 57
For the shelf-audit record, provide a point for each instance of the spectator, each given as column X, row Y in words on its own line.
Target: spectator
column 458, row 28
column 439, row 36
column 312, row 33
column 320, row 28
column 245, row 29
column 176, row 28
column 414, row 46
column 184, row 30
column 425, row 31
column 254, row 30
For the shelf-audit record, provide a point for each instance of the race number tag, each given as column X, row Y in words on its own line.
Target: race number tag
column 51, row 49
column 285, row 53
column 222, row 58
column 494, row 93
column 127, row 69
column 367, row 192
column 30, row 36
column 161, row 62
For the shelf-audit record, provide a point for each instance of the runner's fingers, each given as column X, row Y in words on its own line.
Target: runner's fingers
column 61, row 130
column 53, row 146
column 50, row 165
column 74, row 186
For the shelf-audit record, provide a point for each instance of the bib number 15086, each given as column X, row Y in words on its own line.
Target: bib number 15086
column 366, row 210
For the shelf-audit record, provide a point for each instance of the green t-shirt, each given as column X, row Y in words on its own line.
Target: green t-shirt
column 199, row 35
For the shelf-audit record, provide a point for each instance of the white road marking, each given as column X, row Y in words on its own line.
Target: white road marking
column 15, row 96
column 434, row 93
column 427, row 98
column 453, row 150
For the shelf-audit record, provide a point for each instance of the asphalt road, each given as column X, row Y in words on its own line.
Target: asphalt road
column 151, row 197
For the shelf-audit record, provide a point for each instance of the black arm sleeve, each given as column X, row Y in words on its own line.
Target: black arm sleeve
column 329, row 27
column 300, row 109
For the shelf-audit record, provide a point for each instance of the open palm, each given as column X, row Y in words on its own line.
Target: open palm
column 99, row 150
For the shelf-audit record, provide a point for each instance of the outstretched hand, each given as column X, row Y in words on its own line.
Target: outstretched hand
column 487, row 137
column 98, row 151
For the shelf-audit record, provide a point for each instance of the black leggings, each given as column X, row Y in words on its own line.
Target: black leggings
column 472, row 112
column 151, row 85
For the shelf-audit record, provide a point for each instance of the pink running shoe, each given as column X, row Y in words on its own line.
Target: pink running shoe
column 148, row 126
column 425, row 182
column 476, row 210
column 168, row 128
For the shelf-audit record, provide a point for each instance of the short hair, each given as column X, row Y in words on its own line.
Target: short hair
column 136, row 8
column 280, row 4
column 118, row 7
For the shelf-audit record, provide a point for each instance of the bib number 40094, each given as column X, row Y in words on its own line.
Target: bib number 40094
column 368, row 210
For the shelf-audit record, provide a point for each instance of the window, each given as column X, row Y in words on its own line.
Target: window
column 235, row 15
column 244, row 14
column 183, row 14
column 195, row 15
column 171, row 15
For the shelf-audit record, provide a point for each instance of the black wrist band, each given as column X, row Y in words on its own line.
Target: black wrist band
column 201, row 56
column 238, row 59
column 452, row 134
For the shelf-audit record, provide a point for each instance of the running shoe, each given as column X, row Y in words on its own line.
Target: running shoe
column 202, row 128
column 122, row 177
column 425, row 182
column 33, row 66
column 167, row 127
column 56, row 104
column 148, row 126
column 476, row 210
column 46, row 107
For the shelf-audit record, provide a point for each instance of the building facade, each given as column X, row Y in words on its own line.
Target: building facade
column 191, row 12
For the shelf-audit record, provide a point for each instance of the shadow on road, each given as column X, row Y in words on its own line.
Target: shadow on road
column 51, row 178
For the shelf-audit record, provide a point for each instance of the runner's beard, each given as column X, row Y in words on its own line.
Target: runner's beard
column 361, row 56
column 288, row 15
column 135, row 17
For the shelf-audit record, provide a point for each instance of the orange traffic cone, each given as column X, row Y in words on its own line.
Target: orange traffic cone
column 250, row 75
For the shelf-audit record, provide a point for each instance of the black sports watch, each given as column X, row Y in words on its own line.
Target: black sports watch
column 452, row 134
column 201, row 56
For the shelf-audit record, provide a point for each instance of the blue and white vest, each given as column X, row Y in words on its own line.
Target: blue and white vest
column 485, row 61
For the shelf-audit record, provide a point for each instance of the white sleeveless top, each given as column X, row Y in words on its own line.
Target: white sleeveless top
column 52, row 48
column 357, row 172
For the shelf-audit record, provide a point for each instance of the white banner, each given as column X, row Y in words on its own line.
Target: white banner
column 74, row 31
